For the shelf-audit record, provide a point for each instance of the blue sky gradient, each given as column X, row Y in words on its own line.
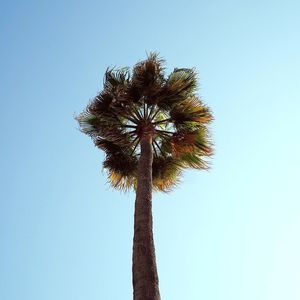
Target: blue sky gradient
column 231, row 233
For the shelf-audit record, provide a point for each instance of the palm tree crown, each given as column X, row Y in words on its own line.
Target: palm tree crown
column 146, row 101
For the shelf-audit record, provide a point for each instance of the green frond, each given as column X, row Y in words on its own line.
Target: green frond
column 195, row 142
column 117, row 136
column 203, row 142
column 191, row 149
column 182, row 83
column 161, row 115
column 106, row 126
column 93, row 125
column 190, row 113
column 195, row 161
column 87, row 123
column 166, row 173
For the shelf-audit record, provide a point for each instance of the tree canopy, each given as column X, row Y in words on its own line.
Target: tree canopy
column 131, row 100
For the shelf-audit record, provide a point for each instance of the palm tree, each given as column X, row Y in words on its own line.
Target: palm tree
column 151, row 127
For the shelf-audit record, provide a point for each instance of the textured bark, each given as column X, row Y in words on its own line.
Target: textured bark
column 145, row 278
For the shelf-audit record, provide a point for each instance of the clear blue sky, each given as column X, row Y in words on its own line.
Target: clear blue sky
column 228, row 234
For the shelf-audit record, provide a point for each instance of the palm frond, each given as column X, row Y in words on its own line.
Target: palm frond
column 120, row 181
column 191, row 142
column 106, row 126
column 194, row 160
column 100, row 104
column 166, row 172
column 190, row 113
column 121, row 168
column 148, row 77
column 115, row 78
column 110, row 147
column 182, row 83
column 120, row 162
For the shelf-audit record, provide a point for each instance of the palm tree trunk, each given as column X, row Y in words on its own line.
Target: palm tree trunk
column 145, row 278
